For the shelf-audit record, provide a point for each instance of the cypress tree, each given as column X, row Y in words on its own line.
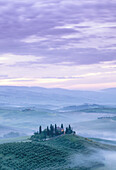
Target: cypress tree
column 45, row 134
column 55, row 129
column 51, row 130
column 48, row 131
column 70, row 129
column 40, row 130
column 66, row 131
column 62, row 126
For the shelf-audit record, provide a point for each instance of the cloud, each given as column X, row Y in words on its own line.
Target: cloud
column 33, row 39
column 109, row 64
column 63, row 40
column 33, row 27
column 94, row 76
column 12, row 59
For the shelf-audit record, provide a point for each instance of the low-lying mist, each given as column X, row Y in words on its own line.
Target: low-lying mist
column 98, row 160
column 109, row 160
column 26, row 120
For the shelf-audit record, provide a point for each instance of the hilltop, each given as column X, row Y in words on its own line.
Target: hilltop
column 63, row 152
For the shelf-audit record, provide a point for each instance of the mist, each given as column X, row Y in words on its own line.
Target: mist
column 27, row 120
column 109, row 160
column 97, row 160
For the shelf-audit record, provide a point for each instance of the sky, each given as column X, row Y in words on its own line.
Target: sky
column 58, row 43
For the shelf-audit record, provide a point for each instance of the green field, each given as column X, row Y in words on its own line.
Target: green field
column 58, row 153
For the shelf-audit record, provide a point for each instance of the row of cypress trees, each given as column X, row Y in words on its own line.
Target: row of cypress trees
column 54, row 130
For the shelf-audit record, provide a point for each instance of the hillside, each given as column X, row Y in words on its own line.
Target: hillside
column 13, row 95
column 64, row 152
column 90, row 108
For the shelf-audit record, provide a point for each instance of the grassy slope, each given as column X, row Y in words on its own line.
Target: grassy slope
column 52, row 154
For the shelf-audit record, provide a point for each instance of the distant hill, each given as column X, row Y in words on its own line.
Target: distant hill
column 13, row 95
column 5, row 130
column 91, row 108
column 82, row 107
column 110, row 90
column 65, row 152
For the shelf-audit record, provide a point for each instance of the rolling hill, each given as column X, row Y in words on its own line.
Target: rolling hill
column 65, row 152
column 90, row 108
column 14, row 95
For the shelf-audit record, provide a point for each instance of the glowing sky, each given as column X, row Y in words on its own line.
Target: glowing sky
column 58, row 43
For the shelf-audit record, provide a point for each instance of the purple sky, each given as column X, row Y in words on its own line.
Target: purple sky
column 58, row 43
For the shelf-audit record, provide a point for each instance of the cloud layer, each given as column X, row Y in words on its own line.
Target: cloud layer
column 38, row 35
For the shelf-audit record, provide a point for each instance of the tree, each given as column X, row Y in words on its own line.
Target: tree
column 48, row 131
column 66, row 130
column 55, row 129
column 70, row 129
column 40, row 130
column 51, row 130
column 62, row 126
column 44, row 134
